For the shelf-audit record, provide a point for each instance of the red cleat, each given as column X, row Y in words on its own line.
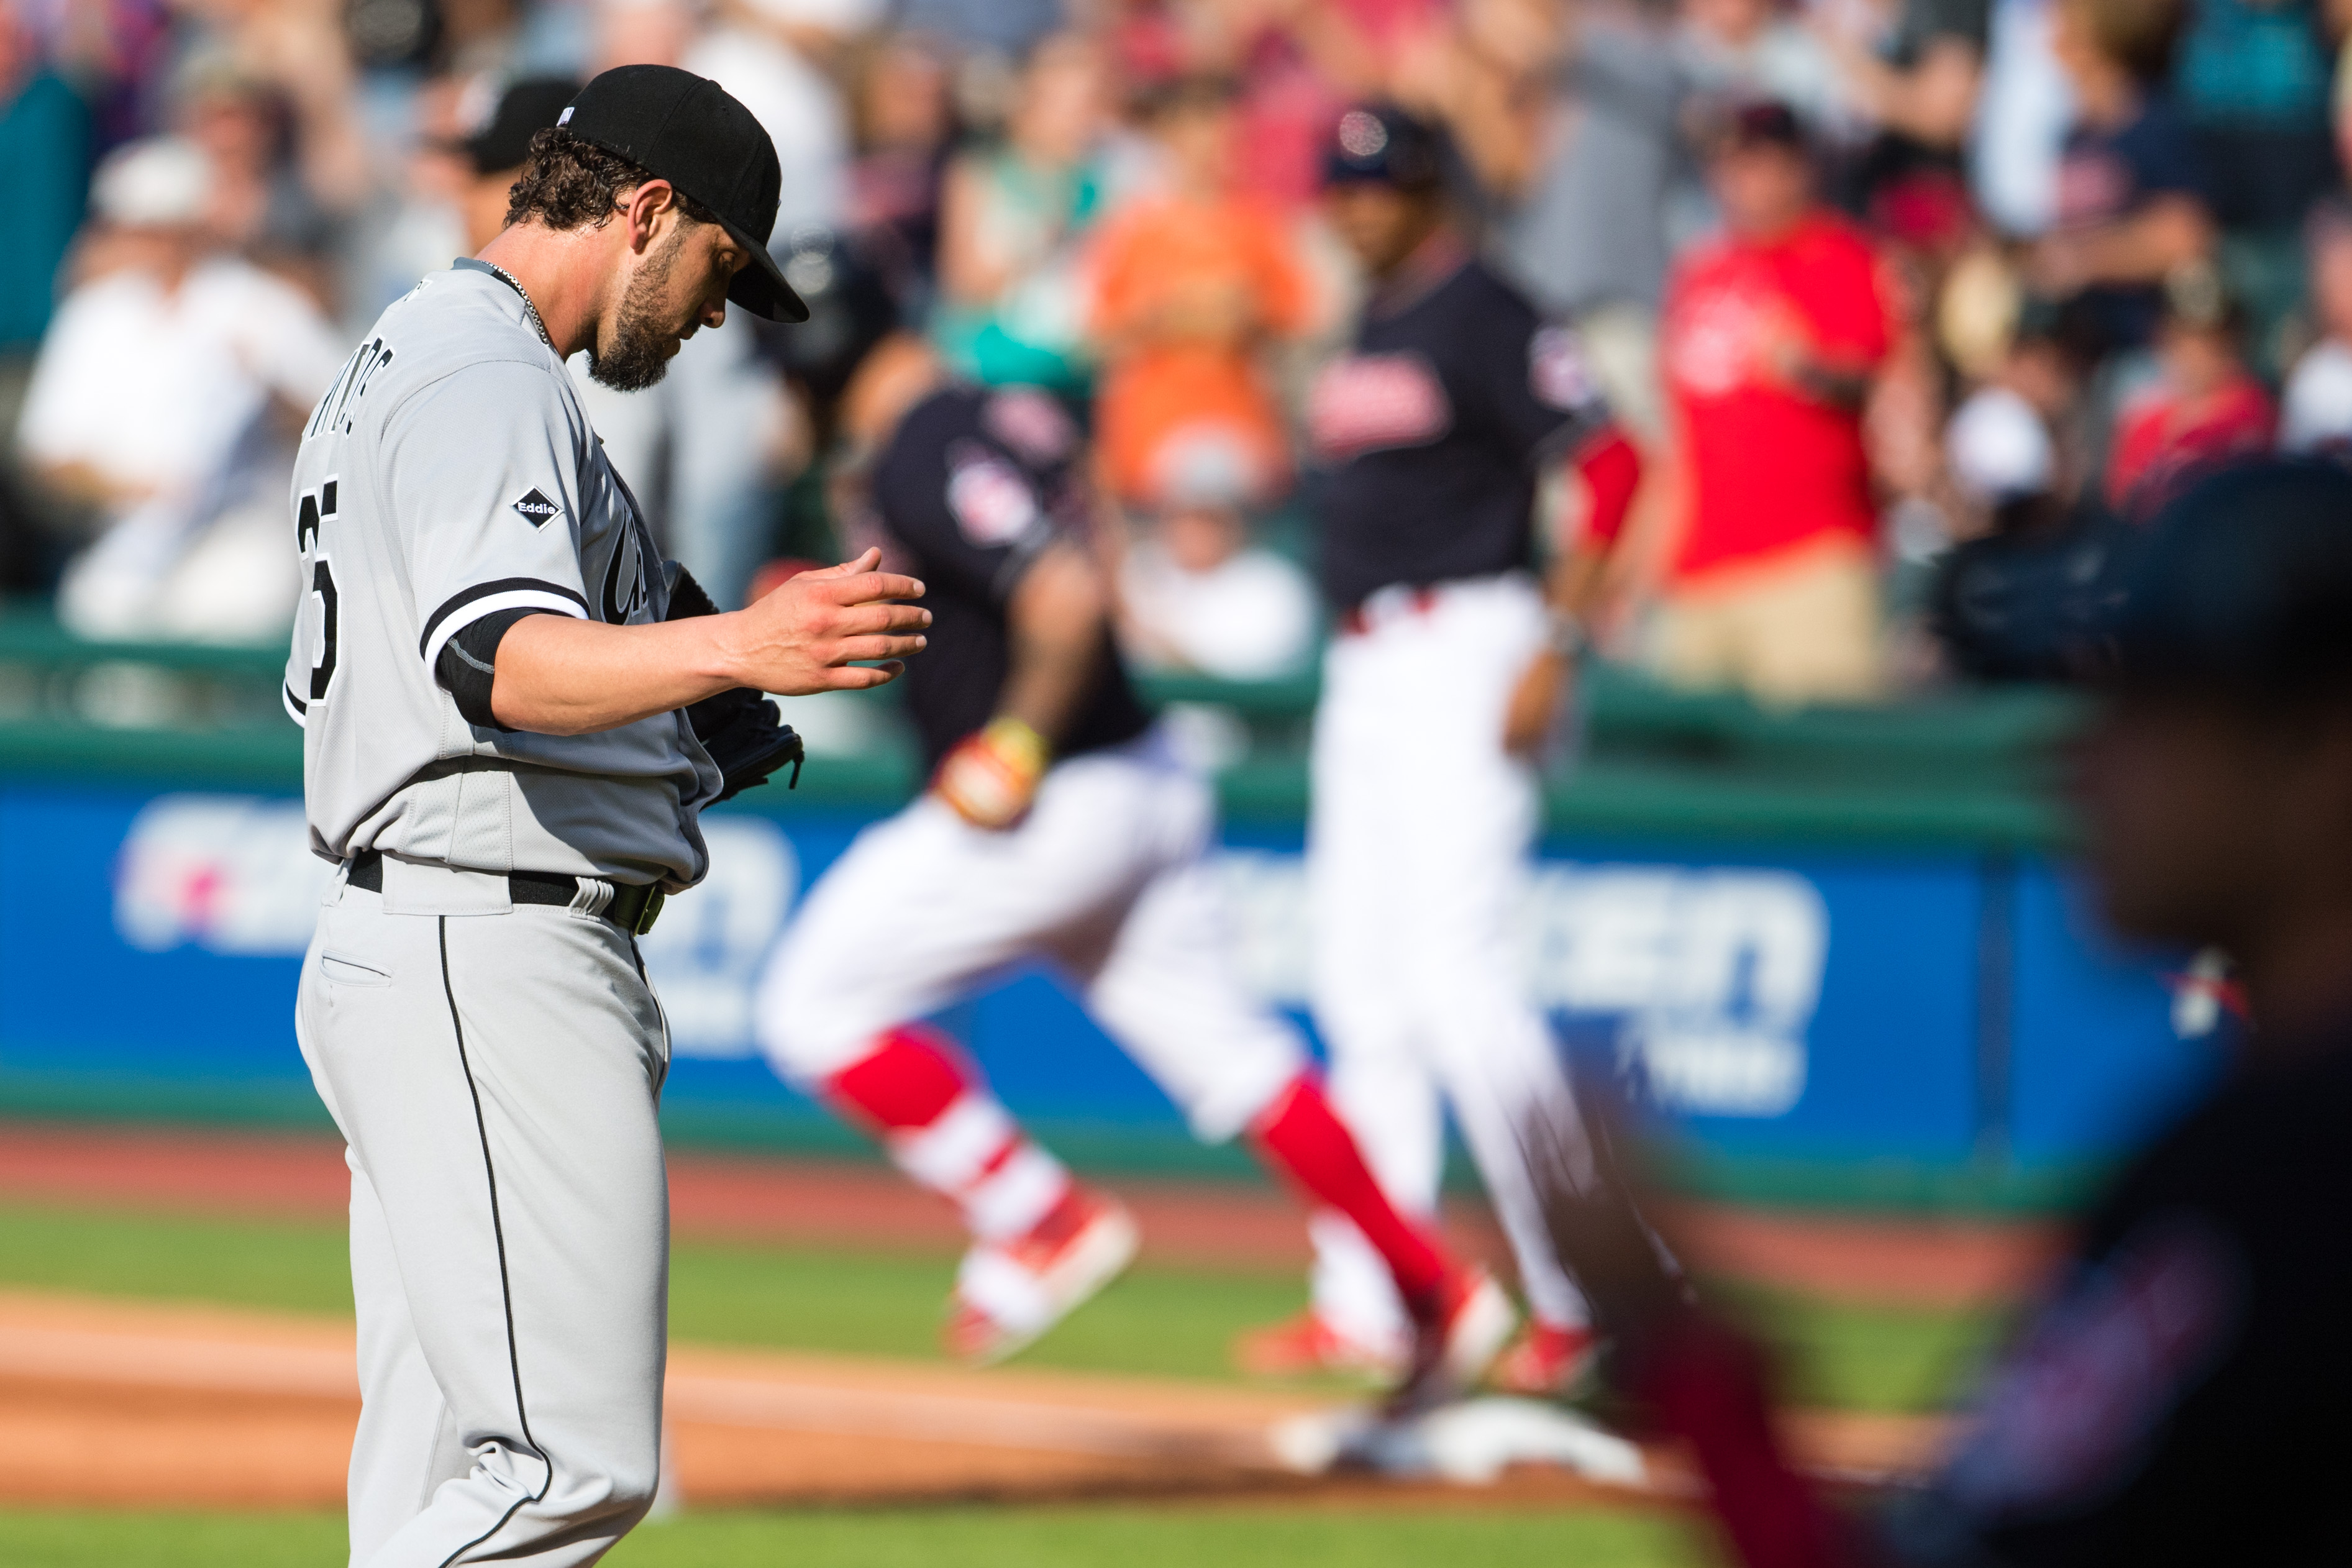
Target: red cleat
column 1304, row 1345
column 1548, row 1360
column 1009, row 1293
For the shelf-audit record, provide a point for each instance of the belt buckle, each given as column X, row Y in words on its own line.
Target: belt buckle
column 654, row 899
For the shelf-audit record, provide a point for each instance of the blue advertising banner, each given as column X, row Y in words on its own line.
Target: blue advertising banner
column 1819, row 1005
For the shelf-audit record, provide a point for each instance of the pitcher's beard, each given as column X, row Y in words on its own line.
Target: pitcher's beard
column 639, row 355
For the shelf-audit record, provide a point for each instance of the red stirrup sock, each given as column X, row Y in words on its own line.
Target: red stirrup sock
column 941, row 1126
column 1299, row 1134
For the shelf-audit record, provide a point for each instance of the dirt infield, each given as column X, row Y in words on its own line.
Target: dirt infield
column 106, row 1403
column 1918, row 1262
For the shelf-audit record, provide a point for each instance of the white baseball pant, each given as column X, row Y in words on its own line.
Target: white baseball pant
column 495, row 1069
column 1105, row 877
column 1416, row 858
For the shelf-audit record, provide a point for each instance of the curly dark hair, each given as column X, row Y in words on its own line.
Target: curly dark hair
column 569, row 183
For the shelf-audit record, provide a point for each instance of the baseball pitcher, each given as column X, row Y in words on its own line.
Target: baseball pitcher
column 512, row 717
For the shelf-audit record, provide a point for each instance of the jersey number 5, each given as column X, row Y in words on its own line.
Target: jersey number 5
column 313, row 508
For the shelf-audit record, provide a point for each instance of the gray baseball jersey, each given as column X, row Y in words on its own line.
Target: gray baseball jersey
column 451, row 473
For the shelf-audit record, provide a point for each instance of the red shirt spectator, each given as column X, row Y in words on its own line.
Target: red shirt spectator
column 2164, row 436
column 1751, row 325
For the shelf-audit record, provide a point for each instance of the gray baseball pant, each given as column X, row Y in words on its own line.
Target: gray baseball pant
column 495, row 1069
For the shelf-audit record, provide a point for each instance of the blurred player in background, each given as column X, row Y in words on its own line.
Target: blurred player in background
column 1058, row 828
column 1447, row 676
column 494, row 152
column 2179, row 1394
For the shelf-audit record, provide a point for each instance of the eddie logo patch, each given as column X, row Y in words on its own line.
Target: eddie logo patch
column 536, row 508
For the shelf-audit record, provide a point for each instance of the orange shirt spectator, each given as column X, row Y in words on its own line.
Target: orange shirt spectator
column 1189, row 285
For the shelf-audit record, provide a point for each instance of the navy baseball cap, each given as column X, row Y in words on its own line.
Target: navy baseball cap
column 526, row 107
column 1756, row 122
column 1379, row 143
column 686, row 129
column 2243, row 585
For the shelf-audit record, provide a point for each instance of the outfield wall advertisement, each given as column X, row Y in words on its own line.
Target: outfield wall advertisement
column 1820, row 1006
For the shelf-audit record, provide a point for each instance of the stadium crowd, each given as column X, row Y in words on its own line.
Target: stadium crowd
column 1901, row 297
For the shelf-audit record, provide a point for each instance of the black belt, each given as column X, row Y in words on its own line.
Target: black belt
column 633, row 908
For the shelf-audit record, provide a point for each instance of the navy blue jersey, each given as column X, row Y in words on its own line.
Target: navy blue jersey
column 2107, row 177
column 973, row 484
column 1431, row 430
column 2179, row 1396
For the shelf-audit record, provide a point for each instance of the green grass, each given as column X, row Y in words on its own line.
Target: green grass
column 1156, row 1321
column 1065, row 1536
column 1843, row 1357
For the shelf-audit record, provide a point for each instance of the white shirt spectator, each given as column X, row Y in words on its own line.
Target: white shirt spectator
column 2317, row 414
column 1249, row 618
column 165, row 394
column 154, row 388
column 2022, row 113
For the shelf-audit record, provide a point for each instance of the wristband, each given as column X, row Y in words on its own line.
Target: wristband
column 1017, row 741
column 990, row 778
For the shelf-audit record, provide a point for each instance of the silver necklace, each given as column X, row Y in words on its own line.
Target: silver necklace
column 513, row 282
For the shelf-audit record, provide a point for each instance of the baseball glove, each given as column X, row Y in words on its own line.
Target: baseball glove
column 742, row 730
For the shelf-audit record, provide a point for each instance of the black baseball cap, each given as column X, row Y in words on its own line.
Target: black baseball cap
column 2243, row 585
column 686, row 129
column 526, row 107
column 1379, row 143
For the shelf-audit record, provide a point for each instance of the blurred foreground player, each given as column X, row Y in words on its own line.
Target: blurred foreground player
column 1058, row 828
column 2180, row 1393
column 1448, row 672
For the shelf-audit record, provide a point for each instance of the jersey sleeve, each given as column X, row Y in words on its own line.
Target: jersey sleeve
column 482, row 471
column 1536, row 384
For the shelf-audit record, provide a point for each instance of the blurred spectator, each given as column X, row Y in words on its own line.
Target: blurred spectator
column 269, row 91
column 1917, row 83
column 2132, row 201
column 2023, row 109
column 117, row 54
column 2005, row 447
column 1737, row 51
column 2318, row 414
column 2000, row 451
column 1298, row 66
column 165, row 398
column 1196, row 595
column 495, row 152
column 2204, row 407
column 756, row 49
column 1772, row 336
column 1010, row 28
column 1587, row 234
column 1011, row 307
column 262, row 204
column 904, row 118
column 2251, row 79
column 45, row 144
column 1190, row 280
